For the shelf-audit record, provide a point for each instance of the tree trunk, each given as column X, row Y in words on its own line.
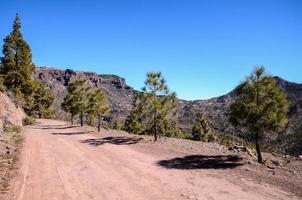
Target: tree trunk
column 71, row 119
column 155, row 126
column 257, row 134
column 99, row 124
column 258, row 149
column 81, row 119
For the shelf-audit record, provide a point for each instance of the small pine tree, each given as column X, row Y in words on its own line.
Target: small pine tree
column 260, row 107
column 133, row 123
column 154, row 109
column 75, row 100
column 201, row 130
column 158, row 102
column 97, row 105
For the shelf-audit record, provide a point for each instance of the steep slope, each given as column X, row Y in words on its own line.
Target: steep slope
column 214, row 108
column 294, row 95
column 10, row 114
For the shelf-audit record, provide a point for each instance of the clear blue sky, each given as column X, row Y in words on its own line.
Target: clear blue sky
column 204, row 48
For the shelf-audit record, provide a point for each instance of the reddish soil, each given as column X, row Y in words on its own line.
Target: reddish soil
column 63, row 162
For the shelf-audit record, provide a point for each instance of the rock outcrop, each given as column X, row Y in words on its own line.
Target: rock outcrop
column 10, row 114
column 119, row 94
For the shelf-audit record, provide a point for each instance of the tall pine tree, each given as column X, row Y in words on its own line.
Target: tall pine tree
column 17, row 65
column 16, row 69
column 260, row 107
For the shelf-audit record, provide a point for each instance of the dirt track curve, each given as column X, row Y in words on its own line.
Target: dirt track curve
column 61, row 162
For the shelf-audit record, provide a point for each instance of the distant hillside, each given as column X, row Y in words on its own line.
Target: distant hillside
column 56, row 81
column 217, row 108
column 120, row 97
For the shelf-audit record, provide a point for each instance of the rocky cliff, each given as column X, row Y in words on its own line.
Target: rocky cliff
column 10, row 114
column 119, row 94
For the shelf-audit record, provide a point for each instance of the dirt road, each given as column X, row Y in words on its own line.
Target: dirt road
column 61, row 162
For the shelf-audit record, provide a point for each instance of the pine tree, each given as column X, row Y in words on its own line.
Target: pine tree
column 17, row 65
column 75, row 100
column 39, row 100
column 133, row 123
column 97, row 105
column 201, row 130
column 260, row 107
column 158, row 102
column 16, row 69
column 68, row 103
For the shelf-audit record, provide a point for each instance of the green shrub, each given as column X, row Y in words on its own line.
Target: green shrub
column 106, row 125
column 182, row 135
column 11, row 129
column 90, row 120
column 17, row 138
column 211, row 138
column 225, row 139
column 28, row 121
column 116, row 125
column 48, row 113
column 133, row 124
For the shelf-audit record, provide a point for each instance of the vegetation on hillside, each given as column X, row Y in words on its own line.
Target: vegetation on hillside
column 16, row 74
column 260, row 107
column 288, row 143
column 201, row 130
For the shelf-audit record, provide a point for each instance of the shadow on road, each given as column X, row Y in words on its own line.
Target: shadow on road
column 71, row 133
column 202, row 162
column 55, row 127
column 112, row 140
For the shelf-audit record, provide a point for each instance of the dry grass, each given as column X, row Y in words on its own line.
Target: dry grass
column 9, row 149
